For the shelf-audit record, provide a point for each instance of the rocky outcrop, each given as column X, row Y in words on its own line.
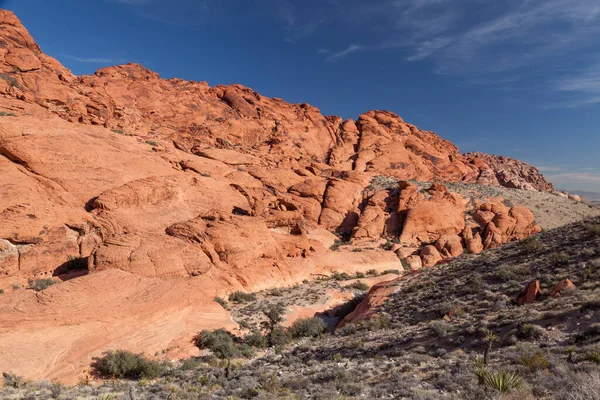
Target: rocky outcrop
column 529, row 294
column 508, row 172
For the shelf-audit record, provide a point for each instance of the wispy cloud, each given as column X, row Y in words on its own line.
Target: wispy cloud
column 97, row 60
column 353, row 48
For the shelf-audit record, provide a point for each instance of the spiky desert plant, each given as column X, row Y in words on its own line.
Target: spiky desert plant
column 503, row 381
column 490, row 337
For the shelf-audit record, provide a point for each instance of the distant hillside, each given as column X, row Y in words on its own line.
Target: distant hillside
column 591, row 196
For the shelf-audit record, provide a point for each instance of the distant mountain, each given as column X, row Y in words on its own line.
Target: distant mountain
column 592, row 196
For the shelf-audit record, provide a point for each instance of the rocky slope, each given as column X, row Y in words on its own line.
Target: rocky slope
column 424, row 338
column 152, row 196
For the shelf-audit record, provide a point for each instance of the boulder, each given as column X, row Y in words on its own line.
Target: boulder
column 430, row 256
column 529, row 294
column 562, row 286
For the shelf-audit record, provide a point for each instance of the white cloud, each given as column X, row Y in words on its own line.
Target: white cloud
column 353, row 48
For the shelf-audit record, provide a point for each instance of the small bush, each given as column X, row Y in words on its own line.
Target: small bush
column 122, row 364
column 348, row 330
column 6, row 114
column 535, row 362
column 593, row 356
column 530, row 245
column 593, row 229
column 359, row 285
column 256, row 339
column 307, row 327
column 592, row 331
column 391, row 271
column 1, row 291
column 12, row 380
column 372, row 272
column 279, row 336
column 241, row 297
column 222, row 302
column 558, row 259
column 503, row 381
column 40, row 284
column 341, row 276
column 440, row 328
column 529, row 331
column 336, row 245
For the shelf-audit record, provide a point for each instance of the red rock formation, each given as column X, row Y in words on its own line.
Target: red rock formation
column 562, row 286
column 529, row 294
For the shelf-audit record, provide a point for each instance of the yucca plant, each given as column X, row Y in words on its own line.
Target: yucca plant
column 503, row 381
column 491, row 338
column 593, row 355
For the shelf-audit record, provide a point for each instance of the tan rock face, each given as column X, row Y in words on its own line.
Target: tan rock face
column 195, row 191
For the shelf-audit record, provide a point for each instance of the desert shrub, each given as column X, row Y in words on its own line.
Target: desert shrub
column 440, row 328
column 276, row 292
column 529, row 331
column 274, row 314
column 503, row 381
column 279, row 336
column 122, row 364
column 359, row 285
column 530, row 245
column 222, row 302
column 341, row 276
column 336, row 245
column 391, row 271
column 593, row 355
column 559, row 258
column 241, row 297
column 372, row 272
column 256, row 339
column 40, row 284
column 450, row 308
column 307, row 327
column 347, row 330
column 593, row 229
column 12, row 380
column 535, row 362
column 387, row 245
column 512, row 273
column 1, row 291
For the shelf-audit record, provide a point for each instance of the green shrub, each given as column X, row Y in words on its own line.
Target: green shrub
column 558, row 259
column 279, row 336
column 256, row 339
column 122, row 364
column 1, row 291
column 40, row 284
column 535, row 362
column 503, row 381
column 6, row 114
column 391, row 271
column 307, row 327
column 593, row 229
column 341, row 276
column 530, row 245
column 440, row 328
column 529, row 331
column 372, row 272
column 222, row 302
column 593, row 355
column 336, row 245
column 359, row 285
column 241, row 297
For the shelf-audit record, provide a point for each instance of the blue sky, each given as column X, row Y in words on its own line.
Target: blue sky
column 510, row 77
